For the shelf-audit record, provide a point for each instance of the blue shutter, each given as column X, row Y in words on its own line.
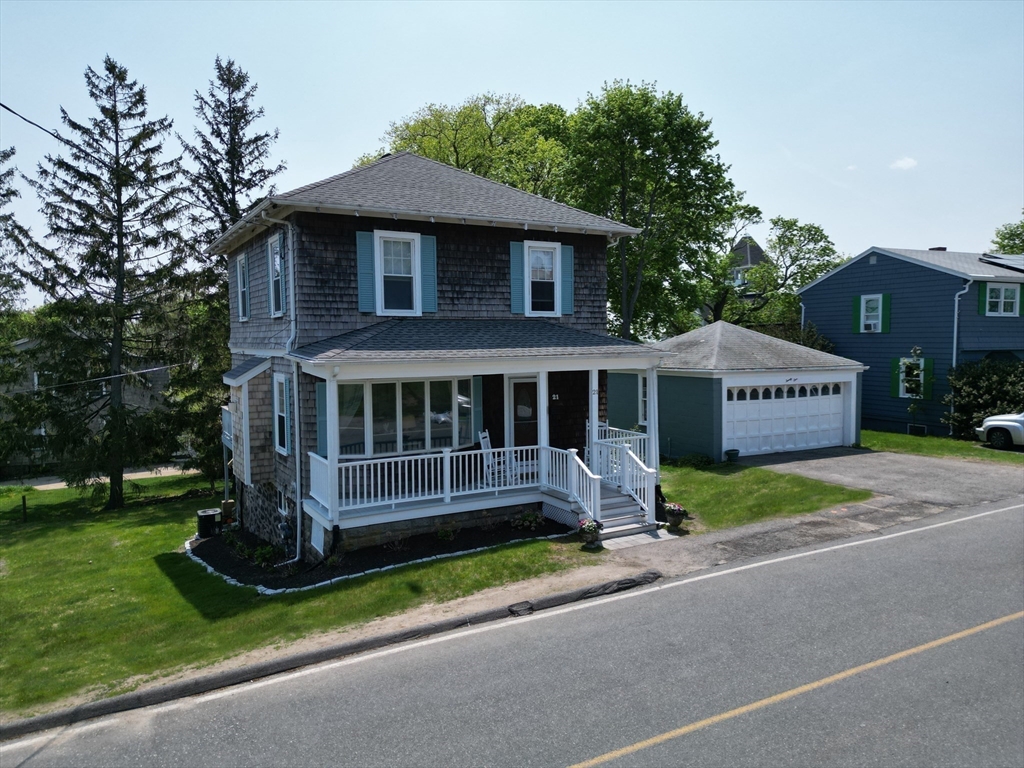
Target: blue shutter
column 478, row 408
column 567, row 279
column 321, row 418
column 284, row 272
column 516, row 273
column 364, row 266
column 288, row 415
column 428, row 272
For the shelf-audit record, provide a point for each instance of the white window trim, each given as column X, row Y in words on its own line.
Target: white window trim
column 903, row 384
column 272, row 244
column 642, row 404
column 556, row 274
column 1002, row 288
column 242, row 266
column 379, row 235
column 282, row 503
column 863, row 312
column 280, row 409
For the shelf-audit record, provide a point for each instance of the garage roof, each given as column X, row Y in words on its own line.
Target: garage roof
column 723, row 346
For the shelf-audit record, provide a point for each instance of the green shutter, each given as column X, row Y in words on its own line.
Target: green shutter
column 288, row 415
column 364, row 269
column 478, row 408
column 886, row 303
column 1020, row 299
column 982, row 298
column 894, row 377
column 929, row 371
column 428, row 272
column 856, row 314
column 567, row 279
column 321, row 418
column 516, row 269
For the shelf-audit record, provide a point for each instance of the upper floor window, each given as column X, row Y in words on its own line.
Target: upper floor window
column 543, row 266
column 276, row 264
column 397, row 270
column 242, row 275
column 1002, row 299
column 871, row 313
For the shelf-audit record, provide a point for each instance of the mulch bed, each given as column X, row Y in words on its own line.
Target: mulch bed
column 219, row 555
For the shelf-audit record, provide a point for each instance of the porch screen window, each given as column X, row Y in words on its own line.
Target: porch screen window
column 465, row 412
column 414, row 422
column 350, row 420
column 385, row 418
column 542, row 279
column 396, row 260
column 643, row 399
column 441, row 417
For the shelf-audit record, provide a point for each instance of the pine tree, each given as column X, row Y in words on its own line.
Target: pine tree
column 230, row 172
column 110, row 206
column 13, row 237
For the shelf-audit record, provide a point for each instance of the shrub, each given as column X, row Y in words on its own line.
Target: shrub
column 983, row 388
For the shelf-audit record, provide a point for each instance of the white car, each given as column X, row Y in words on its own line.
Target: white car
column 1003, row 431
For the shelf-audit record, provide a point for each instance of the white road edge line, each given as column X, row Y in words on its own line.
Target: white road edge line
column 515, row 621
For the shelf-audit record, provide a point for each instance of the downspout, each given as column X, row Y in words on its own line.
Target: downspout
column 289, row 345
column 803, row 309
column 956, row 326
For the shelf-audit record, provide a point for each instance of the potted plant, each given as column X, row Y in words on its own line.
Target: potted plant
column 590, row 532
column 732, row 454
column 675, row 514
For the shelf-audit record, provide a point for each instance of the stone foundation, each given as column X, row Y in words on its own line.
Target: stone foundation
column 258, row 513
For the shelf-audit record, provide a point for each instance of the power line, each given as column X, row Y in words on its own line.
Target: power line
column 98, row 378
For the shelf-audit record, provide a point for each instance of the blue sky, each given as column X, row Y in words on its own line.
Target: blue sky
column 892, row 124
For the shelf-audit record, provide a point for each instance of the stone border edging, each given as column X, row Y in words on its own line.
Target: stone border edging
column 286, row 590
column 207, row 683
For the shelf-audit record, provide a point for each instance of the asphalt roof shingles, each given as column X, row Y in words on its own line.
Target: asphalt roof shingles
column 723, row 346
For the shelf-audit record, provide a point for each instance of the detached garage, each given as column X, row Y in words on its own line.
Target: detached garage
column 722, row 387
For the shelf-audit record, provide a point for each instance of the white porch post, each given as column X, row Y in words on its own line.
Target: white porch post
column 594, row 410
column 542, row 427
column 333, row 438
column 653, row 438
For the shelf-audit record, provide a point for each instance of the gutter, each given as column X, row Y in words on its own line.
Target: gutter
column 956, row 327
column 289, row 346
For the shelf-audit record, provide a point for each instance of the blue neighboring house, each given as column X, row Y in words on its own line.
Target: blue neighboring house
column 956, row 307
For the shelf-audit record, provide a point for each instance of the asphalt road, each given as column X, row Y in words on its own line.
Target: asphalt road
column 573, row 684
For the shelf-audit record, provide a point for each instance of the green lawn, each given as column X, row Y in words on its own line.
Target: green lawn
column 947, row 447
column 726, row 495
column 94, row 602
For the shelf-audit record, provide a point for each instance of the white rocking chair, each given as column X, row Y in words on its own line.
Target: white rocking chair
column 497, row 471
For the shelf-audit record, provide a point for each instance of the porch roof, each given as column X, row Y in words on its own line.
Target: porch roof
column 404, row 340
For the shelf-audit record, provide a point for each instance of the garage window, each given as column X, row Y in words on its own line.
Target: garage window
column 767, row 394
column 814, row 391
column 754, row 394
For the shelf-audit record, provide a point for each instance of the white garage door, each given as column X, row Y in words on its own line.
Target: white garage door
column 766, row 419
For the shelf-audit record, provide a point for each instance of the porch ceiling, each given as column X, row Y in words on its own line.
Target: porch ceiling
column 413, row 340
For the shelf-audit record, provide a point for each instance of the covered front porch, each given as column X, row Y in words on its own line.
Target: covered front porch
column 412, row 435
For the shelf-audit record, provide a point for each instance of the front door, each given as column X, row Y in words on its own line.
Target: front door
column 523, row 404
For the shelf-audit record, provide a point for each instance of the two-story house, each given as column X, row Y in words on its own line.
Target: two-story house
column 415, row 346
column 955, row 307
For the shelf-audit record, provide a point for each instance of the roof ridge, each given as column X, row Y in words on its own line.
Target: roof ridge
column 350, row 172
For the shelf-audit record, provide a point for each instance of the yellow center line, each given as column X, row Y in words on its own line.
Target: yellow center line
column 793, row 692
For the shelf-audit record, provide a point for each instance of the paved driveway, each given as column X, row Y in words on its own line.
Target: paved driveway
column 943, row 482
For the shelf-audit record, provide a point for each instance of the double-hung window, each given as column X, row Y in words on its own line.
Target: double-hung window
column 276, row 265
column 282, row 413
column 911, row 377
column 643, row 399
column 871, row 313
column 543, row 273
column 1002, row 300
column 242, row 275
column 398, row 273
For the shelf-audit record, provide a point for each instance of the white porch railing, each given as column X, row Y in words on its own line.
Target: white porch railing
column 637, row 441
column 443, row 476
column 620, row 466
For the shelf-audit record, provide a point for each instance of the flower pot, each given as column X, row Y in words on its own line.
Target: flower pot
column 591, row 540
column 675, row 519
column 732, row 454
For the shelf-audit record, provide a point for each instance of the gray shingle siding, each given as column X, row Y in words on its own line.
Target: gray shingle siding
column 921, row 315
column 260, row 331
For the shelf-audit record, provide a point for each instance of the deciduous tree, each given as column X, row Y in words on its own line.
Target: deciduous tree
column 1010, row 238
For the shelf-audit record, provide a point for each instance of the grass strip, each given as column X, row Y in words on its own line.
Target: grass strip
column 95, row 602
column 942, row 447
column 727, row 495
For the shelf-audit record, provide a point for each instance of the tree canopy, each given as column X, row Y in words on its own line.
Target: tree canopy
column 1010, row 238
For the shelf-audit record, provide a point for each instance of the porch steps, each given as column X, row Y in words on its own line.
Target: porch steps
column 621, row 515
